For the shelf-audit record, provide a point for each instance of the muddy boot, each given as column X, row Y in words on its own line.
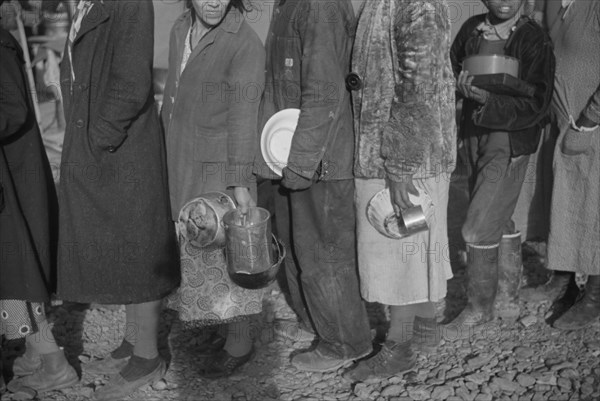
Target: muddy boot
column 55, row 373
column 552, row 290
column 426, row 335
column 586, row 310
column 482, row 283
column 510, row 271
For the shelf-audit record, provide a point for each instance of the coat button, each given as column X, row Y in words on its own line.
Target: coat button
column 111, row 149
column 79, row 124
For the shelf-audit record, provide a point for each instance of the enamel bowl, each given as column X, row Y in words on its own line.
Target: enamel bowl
column 380, row 214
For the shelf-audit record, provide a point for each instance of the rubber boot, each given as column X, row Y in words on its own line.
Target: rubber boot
column 585, row 311
column 510, row 271
column 426, row 335
column 54, row 374
column 482, row 284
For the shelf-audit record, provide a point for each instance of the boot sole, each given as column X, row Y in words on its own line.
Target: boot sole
column 345, row 363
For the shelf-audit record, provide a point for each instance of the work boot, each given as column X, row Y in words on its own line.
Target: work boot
column 482, row 284
column 552, row 290
column 55, row 373
column 393, row 359
column 510, row 271
column 317, row 361
column 585, row 311
column 426, row 335
column 27, row 364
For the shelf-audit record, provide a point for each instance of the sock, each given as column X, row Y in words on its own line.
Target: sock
column 43, row 341
column 123, row 351
column 138, row 367
column 402, row 319
column 131, row 329
column 239, row 338
column 147, row 316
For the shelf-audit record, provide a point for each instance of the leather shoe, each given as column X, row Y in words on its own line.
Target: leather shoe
column 118, row 388
column 393, row 359
column 223, row 364
column 55, row 373
column 317, row 361
column 106, row 366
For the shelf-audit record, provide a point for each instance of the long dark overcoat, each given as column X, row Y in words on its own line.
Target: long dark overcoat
column 116, row 240
column 27, row 196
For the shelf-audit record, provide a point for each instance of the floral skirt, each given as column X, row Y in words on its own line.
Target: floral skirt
column 207, row 296
column 20, row 318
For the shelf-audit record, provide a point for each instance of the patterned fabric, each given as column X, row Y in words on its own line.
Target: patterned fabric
column 20, row 318
column 207, row 296
column 404, row 119
column 83, row 8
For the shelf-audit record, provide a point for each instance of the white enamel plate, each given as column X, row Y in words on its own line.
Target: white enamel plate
column 276, row 138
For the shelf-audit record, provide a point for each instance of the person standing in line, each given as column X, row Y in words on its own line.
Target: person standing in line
column 574, row 240
column 212, row 95
column 308, row 58
column 500, row 131
column 28, row 209
column 406, row 140
column 117, row 243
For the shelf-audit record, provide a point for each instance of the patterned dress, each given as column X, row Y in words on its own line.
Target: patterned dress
column 207, row 296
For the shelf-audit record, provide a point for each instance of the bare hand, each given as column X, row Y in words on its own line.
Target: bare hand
column 399, row 194
column 465, row 87
column 243, row 199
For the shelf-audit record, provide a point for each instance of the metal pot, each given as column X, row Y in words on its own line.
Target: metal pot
column 201, row 219
column 491, row 64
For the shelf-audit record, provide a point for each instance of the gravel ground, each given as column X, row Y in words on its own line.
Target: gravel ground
column 526, row 360
column 523, row 361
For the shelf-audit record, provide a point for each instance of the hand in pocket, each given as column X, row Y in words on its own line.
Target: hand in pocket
column 576, row 143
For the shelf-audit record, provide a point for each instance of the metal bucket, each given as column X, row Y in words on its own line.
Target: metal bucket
column 201, row 219
column 255, row 281
column 252, row 255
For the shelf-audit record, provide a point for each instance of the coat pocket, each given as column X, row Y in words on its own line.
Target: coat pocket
column 210, row 147
column 575, row 142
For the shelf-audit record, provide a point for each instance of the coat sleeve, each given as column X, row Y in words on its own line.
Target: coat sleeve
column 513, row 113
column 415, row 114
column 130, row 77
column 14, row 108
column 323, row 32
column 247, row 83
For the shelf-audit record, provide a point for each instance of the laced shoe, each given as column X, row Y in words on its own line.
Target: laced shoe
column 393, row 359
